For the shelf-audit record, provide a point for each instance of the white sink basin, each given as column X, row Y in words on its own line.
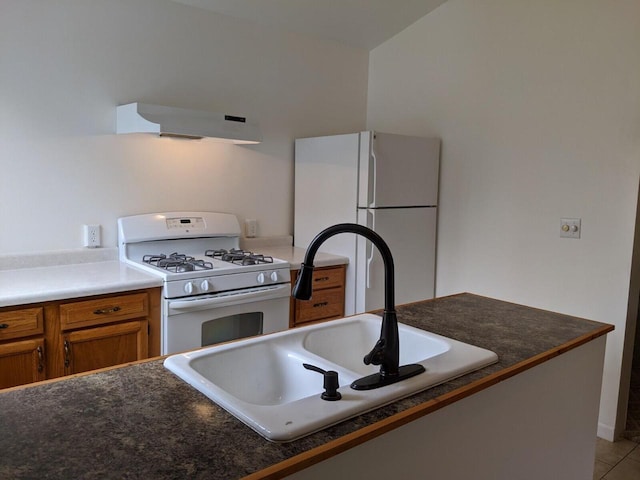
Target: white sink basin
column 269, row 374
column 347, row 342
column 262, row 382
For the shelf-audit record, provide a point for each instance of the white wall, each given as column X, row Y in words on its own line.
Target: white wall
column 65, row 65
column 538, row 106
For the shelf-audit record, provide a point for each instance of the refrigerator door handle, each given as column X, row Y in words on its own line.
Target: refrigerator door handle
column 375, row 179
column 372, row 225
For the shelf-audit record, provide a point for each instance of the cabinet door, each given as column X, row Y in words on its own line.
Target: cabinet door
column 21, row 362
column 101, row 347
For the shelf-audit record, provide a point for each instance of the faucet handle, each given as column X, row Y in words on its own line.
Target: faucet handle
column 376, row 355
column 331, row 385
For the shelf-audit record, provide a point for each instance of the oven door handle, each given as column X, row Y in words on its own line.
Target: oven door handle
column 275, row 291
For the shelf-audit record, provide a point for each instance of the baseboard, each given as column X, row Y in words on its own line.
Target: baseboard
column 606, row 432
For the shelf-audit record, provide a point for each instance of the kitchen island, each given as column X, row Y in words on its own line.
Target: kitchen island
column 140, row 421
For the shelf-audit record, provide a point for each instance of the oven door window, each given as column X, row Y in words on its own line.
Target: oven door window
column 231, row 327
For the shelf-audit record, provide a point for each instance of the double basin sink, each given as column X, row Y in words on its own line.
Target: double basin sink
column 262, row 381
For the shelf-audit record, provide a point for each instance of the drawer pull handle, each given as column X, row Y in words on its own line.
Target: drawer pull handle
column 321, row 279
column 40, row 359
column 4, row 325
column 320, row 304
column 105, row 311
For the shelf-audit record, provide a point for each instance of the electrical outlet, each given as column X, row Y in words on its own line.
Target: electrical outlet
column 570, row 227
column 250, row 228
column 92, row 237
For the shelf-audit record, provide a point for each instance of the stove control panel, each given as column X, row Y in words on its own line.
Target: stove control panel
column 179, row 288
column 185, row 223
column 266, row 277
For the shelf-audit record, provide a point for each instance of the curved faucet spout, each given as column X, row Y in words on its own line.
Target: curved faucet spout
column 386, row 351
column 302, row 288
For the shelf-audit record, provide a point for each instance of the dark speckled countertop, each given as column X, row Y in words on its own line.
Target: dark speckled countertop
column 142, row 422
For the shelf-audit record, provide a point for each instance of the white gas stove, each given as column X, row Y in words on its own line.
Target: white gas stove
column 198, row 256
column 195, row 253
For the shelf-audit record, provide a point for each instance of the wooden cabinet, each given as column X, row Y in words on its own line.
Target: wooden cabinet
column 22, row 353
column 113, row 340
column 64, row 337
column 327, row 301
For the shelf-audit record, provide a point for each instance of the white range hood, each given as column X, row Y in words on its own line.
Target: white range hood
column 185, row 123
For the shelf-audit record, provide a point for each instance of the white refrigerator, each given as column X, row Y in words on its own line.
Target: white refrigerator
column 386, row 182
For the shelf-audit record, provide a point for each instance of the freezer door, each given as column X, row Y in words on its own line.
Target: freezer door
column 398, row 171
column 411, row 236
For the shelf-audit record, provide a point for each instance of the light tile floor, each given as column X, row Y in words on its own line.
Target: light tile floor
column 617, row 461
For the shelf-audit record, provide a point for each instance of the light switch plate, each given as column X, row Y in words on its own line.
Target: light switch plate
column 570, row 227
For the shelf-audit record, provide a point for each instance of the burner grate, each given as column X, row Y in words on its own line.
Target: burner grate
column 239, row 257
column 177, row 262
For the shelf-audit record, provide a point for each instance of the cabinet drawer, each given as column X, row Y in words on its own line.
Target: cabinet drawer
column 324, row 304
column 103, row 310
column 328, row 277
column 21, row 323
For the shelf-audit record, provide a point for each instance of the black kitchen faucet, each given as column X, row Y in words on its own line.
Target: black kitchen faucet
column 386, row 351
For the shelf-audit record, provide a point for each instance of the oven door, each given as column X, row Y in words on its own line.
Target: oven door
column 196, row 322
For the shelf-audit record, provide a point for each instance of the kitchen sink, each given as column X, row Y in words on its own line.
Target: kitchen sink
column 262, row 381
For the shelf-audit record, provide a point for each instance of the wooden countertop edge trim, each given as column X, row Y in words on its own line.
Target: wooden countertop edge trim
column 335, row 447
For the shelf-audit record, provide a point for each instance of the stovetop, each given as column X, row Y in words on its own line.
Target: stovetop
column 212, row 262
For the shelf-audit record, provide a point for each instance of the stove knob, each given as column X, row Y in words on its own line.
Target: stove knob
column 260, row 278
column 188, row 288
column 274, row 276
column 205, row 285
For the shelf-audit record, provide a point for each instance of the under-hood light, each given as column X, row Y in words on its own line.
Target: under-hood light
column 185, row 123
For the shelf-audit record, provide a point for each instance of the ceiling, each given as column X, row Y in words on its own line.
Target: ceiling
column 358, row 23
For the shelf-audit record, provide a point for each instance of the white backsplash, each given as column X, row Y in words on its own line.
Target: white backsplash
column 257, row 243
